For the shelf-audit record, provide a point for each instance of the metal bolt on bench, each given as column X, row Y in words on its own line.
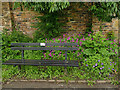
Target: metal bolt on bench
column 19, row 62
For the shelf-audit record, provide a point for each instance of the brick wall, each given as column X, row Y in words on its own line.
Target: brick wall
column 106, row 26
column 23, row 19
column 77, row 20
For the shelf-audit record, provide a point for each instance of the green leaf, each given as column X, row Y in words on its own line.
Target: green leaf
column 103, row 51
column 89, row 51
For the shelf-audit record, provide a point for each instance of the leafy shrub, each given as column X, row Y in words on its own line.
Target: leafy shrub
column 8, row 38
column 11, row 37
column 99, row 56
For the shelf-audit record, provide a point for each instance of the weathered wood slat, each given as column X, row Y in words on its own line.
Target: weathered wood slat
column 44, row 48
column 43, row 62
column 37, row 60
column 47, row 44
column 73, row 65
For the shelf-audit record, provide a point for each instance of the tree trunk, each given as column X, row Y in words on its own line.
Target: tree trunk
column 90, row 17
column 12, row 16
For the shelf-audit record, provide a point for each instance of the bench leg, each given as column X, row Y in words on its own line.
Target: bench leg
column 19, row 67
column 14, row 65
column 65, row 70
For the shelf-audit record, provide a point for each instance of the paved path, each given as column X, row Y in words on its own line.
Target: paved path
column 28, row 84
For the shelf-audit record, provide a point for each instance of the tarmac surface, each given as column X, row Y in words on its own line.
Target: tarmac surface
column 32, row 84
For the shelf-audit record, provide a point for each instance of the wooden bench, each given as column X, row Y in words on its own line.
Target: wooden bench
column 43, row 46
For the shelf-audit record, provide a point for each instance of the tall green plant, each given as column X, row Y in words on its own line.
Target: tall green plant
column 49, row 27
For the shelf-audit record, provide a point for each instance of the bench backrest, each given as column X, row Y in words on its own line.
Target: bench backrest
column 44, row 48
column 44, row 44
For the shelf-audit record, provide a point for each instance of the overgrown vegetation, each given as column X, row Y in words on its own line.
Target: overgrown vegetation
column 96, row 54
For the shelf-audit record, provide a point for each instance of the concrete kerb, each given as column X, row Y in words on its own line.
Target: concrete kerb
column 61, row 81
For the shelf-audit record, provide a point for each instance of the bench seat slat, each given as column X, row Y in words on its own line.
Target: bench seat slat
column 37, row 60
column 73, row 65
column 47, row 44
column 43, row 62
column 44, row 48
